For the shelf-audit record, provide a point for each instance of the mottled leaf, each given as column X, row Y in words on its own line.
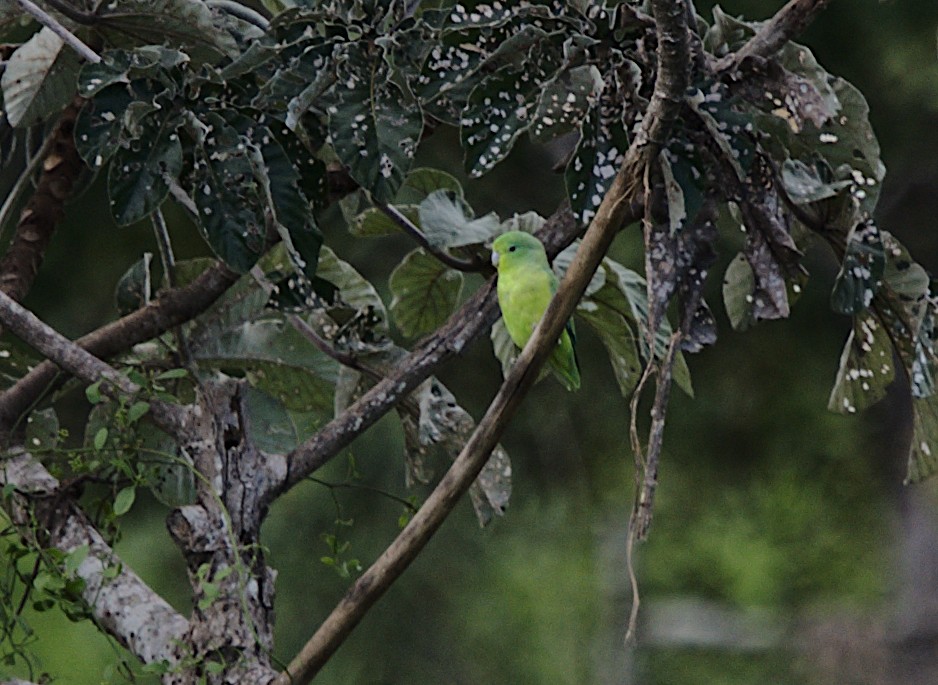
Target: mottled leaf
column 565, row 101
column 135, row 288
column 861, row 270
column 42, row 430
column 425, row 291
column 274, row 428
column 866, row 367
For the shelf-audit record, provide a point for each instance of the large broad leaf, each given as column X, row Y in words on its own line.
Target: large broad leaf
column 39, row 79
column 137, row 178
column 425, row 291
column 866, row 367
column 276, row 429
column 375, row 127
column 447, row 221
column 122, row 66
column 354, row 290
column 231, row 208
column 189, row 24
column 276, row 359
column 565, row 101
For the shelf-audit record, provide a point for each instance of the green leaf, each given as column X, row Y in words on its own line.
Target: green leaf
column 228, row 199
column 42, row 430
column 562, row 263
column 923, row 452
column 134, row 289
column 168, row 470
column 171, row 374
column 605, row 311
column 137, row 177
column 74, row 559
column 677, row 213
column 738, row 288
column 124, row 500
column 93, row 393
column 373, row 223
column 866, row 367
column 425, row 291
column 803, row 183
column 121, row 66
column 276, row 358
column 354, row 290
column 447, row 221
column 861, row 271
column 375, row 127
column 137, row 410
column 100, row 438
column 423, row 181
column 38, row 79
column 275, row 429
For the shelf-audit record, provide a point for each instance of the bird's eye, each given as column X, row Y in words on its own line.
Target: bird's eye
column 512, row 248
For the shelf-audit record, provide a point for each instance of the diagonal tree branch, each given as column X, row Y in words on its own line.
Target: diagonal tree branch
column 476, row 315
column 784, row 26
column 125, row 606
column 617, row 207
column 82, row 364
column 170, row 309
column 52, row 23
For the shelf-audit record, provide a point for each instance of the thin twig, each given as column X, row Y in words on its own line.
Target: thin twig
column 24, row 180
column 53, row 25
column 408, row 226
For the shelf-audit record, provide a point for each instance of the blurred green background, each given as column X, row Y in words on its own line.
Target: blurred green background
column 784, row 548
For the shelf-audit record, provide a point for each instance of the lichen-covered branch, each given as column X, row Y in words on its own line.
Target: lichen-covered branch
column 121, row 603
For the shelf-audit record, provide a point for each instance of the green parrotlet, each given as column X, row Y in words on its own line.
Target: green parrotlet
column 526, row 285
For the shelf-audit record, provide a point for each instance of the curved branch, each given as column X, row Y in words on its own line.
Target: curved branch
column 45, row 209
column 122, row 604
column 410, row 229
column 787, row 23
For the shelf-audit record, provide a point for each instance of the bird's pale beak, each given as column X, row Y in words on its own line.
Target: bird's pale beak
column 494, row 259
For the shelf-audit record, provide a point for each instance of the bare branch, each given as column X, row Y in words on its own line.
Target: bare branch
column 123, row 605
column 787, row 23
column 80, row 363
column 170, row 309
column 410, row 229
column 53, row 24
column 45, row 209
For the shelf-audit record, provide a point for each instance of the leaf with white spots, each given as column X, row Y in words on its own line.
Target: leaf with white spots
column 866, row 367
column 122, row 66
column 38, row 79
column 738, row 289
column 729, row 128
column 447, row 221
column 42, row 430
column 598, row 157
column 502, row 107
column 923, row 452
column 861, row 270
column 375, row 127
column 98, row 129
column 565, row 101
column 229, row 202
column 425, row 291
column 137, row 178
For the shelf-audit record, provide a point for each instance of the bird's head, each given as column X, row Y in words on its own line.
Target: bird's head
column 515, row 247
